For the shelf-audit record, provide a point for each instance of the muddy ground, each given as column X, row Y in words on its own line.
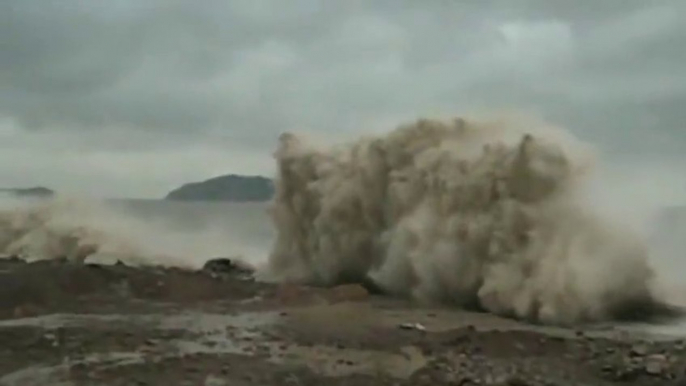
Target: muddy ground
column 73, row 324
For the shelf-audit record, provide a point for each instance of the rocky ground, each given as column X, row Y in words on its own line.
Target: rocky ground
column 73, row 324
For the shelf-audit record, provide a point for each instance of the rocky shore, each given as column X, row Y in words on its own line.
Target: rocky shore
column 65, row 323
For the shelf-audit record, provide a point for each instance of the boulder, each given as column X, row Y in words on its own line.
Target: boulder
column 227, row 266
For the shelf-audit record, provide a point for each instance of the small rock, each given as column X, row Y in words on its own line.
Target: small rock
column 627, row 374
column 227, row 266
column 656, row 364
column 412, row 326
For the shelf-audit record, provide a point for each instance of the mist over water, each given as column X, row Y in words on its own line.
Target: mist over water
column 134, row 231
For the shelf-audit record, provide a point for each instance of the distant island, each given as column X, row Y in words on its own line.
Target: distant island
column 225, row 188
column 37, row 191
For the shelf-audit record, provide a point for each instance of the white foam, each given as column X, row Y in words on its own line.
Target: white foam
column 494, row 212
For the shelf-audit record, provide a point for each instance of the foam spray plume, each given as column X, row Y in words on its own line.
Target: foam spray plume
column 48, row 229
column 478, row 214
column 82, row 230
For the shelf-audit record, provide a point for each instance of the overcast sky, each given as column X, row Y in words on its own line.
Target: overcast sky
column 134, row 97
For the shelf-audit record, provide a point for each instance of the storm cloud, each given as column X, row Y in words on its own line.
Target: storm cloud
column 130, row 98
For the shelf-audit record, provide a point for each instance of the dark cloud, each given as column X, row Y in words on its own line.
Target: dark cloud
column 153, row 78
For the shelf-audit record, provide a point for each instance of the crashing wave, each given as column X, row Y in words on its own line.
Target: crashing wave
column 479, row 214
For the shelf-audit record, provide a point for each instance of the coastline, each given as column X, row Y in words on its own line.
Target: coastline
column 86, row 324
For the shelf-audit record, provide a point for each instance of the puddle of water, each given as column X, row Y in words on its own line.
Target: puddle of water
column 201, row 322
column 243, row 334
column 39, row 375
column 216, row 334
column 336, row 362
column 440, row 320
column 219, row 334
column 666, row 331
column 53, row 321
column 192, row 321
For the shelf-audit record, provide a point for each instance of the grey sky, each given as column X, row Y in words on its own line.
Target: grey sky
column 133, row 97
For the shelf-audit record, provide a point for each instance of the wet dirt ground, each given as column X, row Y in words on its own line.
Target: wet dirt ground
column 73, row 324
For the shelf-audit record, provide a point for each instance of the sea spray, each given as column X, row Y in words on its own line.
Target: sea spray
column 484, row 214
column 64, row 228
column 87, row 230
